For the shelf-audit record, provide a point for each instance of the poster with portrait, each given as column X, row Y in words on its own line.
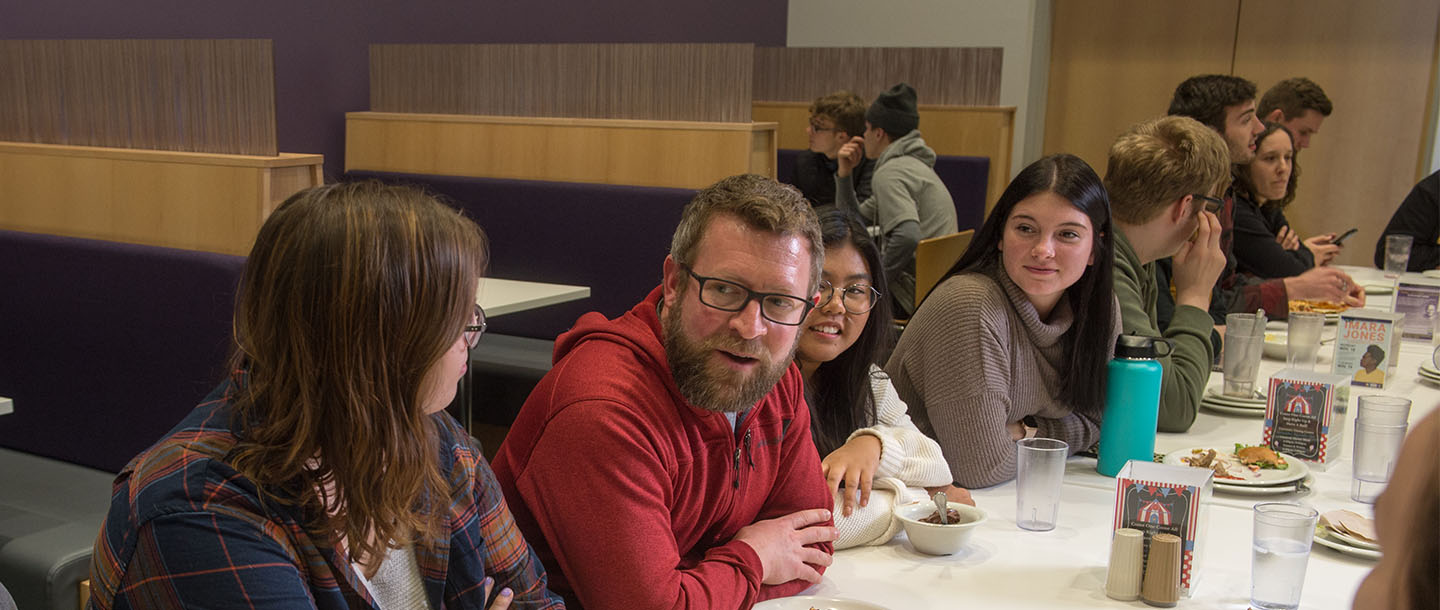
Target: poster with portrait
column 1419, row 299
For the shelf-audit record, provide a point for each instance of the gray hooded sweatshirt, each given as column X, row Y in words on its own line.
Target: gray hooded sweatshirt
column 906, row 190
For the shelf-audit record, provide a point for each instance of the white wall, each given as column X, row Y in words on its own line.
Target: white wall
column 1021, row 27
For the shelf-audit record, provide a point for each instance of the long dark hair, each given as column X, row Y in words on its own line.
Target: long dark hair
column 1246, row 186
column 1088, row 343
column 839, row 392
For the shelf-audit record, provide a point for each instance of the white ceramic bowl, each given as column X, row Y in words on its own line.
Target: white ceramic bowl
column 938, row 539
column 1275, row 345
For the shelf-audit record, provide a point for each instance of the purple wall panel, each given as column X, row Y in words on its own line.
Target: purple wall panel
column 321, row 45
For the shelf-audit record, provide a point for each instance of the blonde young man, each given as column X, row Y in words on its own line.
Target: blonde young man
column 1161, row 176
column 834, row 120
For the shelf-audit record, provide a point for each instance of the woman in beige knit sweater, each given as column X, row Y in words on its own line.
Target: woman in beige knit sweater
column 1013, row 343
column 866, row 439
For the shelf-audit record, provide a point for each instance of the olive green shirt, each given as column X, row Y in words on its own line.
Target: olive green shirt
column 1187, row 368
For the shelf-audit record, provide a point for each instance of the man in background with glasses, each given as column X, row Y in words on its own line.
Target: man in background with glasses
column 1162, row 178
column 666, row 459
column 834, row 120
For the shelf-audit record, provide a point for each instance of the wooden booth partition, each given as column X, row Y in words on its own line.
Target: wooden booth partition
column 197, row 201
column 680, row 154
column 975, row 131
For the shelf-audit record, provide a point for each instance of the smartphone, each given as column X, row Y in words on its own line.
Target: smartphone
column 1342, row 237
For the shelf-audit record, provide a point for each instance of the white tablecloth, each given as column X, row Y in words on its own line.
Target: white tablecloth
column 1007, row 567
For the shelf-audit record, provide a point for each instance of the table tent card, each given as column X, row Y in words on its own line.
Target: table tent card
column 1367, row 346
column 1418, row 298
column 1305, row 415
column 1165, row 499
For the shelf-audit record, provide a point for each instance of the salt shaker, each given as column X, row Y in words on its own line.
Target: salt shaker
column 1127, row 563
column 1162, row 572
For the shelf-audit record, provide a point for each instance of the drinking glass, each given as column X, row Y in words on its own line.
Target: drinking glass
column 1381, row 409
column 1377, row 446
column 1039, row 471
column 1302, row 339
column 1397, row 254
column 1244, row 342
column 1282, row 536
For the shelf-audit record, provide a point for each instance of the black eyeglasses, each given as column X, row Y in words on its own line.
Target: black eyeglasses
column 855, row 298
column 475, row 328
column 816, row 127
column 783, row 309
column 1212, row 204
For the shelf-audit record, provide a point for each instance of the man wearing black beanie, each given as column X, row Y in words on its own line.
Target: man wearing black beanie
column 909, row 201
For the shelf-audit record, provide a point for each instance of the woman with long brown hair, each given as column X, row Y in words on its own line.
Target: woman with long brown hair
column 323, row 472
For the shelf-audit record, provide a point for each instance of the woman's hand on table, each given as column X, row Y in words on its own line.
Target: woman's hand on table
column 854, row 463
column 952, row 494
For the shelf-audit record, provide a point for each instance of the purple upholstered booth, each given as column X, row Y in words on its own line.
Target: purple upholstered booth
column 608, row 237
column 965, row 177
column 106, row 346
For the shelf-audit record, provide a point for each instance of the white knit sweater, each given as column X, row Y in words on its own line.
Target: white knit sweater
column 909, row 462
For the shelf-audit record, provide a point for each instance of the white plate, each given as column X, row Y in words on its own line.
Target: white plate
column 806, row 602
column 1371, row 289
column 1234, row 402
column 1245, row 411
column 1264, row 478
column 1431, row 273
column 1429, row 369
column 1352, row 541
column 1214, row 393
column 1324, row 537
column 1428, row 375
column 1241, row 490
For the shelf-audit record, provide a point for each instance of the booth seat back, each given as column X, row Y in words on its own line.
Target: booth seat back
column 105, row 346
column 611, row 238
column 965, row 177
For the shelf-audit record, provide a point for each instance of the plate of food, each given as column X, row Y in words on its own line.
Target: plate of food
column 1243, row 465
column 812, row 602
column 1325, row 537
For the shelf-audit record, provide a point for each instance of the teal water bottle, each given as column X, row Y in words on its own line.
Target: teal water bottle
column 1132, row 402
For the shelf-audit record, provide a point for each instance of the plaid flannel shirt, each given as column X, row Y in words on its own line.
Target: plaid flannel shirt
column 185, row 530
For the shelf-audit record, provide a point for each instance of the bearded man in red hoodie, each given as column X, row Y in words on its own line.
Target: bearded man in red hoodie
column 666, row 461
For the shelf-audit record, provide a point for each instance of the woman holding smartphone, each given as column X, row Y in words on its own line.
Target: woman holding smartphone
column 1265, row 244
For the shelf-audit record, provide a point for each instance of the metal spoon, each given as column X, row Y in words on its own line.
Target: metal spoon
column 941, row 506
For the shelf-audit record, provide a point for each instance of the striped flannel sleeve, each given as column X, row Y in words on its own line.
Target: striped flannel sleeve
column 483, row 525
column 210, row 560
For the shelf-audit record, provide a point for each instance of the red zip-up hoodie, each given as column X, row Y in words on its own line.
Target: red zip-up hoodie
column 630, row 495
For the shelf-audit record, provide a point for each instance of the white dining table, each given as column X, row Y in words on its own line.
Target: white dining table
column 1004, row 566
column 500, row 296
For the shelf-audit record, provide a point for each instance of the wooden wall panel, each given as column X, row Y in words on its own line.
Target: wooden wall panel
column 176, row 199
column 1375, row 61
column 950, row 76
column 1114, row 63
column 611, row 151
column 211, row 96
column 950, row 130
column 665, row 82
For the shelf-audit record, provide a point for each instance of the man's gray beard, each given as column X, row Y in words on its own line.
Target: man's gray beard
column 689, row 364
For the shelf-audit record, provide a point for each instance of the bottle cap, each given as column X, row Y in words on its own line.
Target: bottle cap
column 1136, row 347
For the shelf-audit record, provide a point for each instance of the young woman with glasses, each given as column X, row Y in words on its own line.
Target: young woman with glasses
column 1014, row 342
column 324, row 472
column 865, row 437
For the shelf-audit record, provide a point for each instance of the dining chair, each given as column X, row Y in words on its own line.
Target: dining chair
column 934, row 257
